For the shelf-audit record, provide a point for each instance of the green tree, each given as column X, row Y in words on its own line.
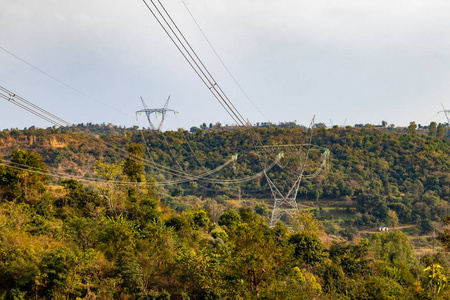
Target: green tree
column 393, row 247
column 308, row 248
column 440, row 131
column 262, row 209
column 392, row 218
column 412, row 128
column 200, row 218
column 156, row 254
column 432, row 129
column 77, row 196
column 435, row 278
column 307, row 222
column 229, row 218
column 384, row 288
column 134, row 167
column 354, row 259
column 200, row 273
column 115, row 235
column 444, row 235
column 256, row 261
column 26, row 178
column 57, row 266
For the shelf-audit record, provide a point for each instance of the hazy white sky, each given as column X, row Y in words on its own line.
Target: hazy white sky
column 360, row 61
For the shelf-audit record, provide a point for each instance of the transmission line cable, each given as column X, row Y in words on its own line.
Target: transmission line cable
column 212, row 180
column 198, row 66
column 150, row 155
column 32, row 108
column 17, row 97
column 200, row 61
column 187, row 177
column 60, row 81
column 11, row 97
column 195, row 63
column 221, row 61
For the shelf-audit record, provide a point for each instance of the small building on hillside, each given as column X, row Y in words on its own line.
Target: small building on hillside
column 383, row 228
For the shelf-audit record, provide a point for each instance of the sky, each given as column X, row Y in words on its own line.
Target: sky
column 345, row 62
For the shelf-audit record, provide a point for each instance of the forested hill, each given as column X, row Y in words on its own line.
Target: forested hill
column 103, row 212
column 370, row 169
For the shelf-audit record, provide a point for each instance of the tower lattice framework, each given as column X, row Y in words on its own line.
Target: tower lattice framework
column 283, row 204
column 149, row 111
column 286, row 203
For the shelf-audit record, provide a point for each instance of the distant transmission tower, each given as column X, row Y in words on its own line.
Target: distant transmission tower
column 446, row 113
column 156, row 111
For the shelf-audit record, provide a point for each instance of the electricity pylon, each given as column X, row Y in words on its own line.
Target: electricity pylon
column 156, row 111
column 283, row 204
column 286, row 204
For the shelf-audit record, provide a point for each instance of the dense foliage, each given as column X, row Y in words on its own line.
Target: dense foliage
column 377, row 174
column 122, row 237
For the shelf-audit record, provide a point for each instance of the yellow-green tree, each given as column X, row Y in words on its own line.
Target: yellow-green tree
column 435, row 279
column 109, row 189
column 305, row 221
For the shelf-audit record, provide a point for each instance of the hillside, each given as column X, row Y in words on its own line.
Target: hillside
column 371, row 171
column 103, row 212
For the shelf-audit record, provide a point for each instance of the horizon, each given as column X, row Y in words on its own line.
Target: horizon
column 350, row 62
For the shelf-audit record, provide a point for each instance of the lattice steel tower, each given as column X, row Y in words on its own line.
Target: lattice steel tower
column 286, row 204
column 156, row 111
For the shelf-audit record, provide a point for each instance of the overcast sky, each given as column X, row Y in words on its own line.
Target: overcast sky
column 347, row 61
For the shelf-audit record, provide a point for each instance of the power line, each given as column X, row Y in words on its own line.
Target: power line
column 60, row 81
column 198, row 66
column 29, row 110
column 183, row 46
column 44, row 114
column 221, row 61
column 226, row 97
column 32, row 108
column 17, row 97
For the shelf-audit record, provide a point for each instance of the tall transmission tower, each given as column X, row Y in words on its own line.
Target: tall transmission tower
column 286, row 203
column 446, row 113
column 149, row 111
column 283, row 204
